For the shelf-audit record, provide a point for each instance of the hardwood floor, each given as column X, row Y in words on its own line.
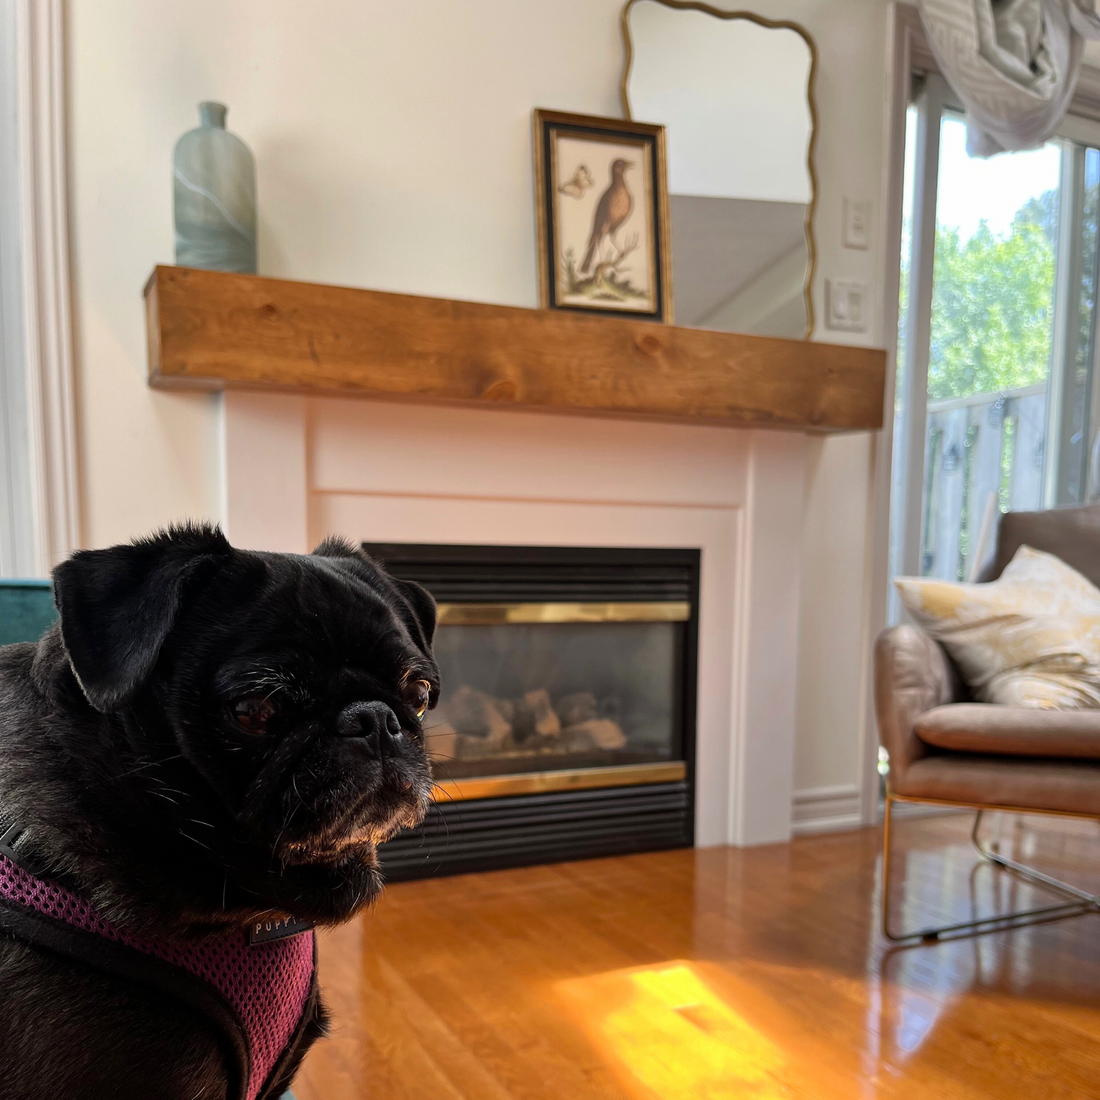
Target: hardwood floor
column 721, row 973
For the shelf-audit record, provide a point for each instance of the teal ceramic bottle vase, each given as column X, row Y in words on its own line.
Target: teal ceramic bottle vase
column 214, row 184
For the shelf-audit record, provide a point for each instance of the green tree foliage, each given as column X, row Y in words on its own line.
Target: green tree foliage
column 1043, row 211
column 993, row 299
column 992, row 306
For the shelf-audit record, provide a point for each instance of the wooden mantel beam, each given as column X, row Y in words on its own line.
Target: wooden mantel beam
column 214, row 330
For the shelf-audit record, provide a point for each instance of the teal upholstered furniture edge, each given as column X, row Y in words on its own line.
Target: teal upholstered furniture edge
column 26, row 610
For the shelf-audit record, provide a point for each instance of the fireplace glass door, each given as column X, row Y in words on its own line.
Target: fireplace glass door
column 532, row 688
column 565, row 726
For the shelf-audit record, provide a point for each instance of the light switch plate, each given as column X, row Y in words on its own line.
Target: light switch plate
column 857, row 223
column 846, row 305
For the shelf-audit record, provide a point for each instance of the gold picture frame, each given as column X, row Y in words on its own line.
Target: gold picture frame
column 602, row 216
column 811, row 100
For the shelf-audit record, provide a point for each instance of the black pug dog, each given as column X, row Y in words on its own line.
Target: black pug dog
column 209, row 739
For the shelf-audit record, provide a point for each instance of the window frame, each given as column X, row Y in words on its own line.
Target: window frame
column 932, row 99
column 908, row 57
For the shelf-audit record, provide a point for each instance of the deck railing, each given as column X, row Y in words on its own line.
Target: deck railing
column 990, row 443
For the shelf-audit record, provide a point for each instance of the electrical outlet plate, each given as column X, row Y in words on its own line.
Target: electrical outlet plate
column 846, row 305
column 857, row 223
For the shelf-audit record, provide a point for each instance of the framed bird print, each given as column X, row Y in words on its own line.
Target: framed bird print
column 602, row 206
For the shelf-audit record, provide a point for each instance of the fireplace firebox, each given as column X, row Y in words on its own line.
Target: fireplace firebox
column 566, row 724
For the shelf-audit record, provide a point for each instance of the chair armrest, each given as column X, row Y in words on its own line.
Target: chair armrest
column 912, row 674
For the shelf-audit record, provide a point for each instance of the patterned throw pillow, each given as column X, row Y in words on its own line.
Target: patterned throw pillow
column 1031, row 638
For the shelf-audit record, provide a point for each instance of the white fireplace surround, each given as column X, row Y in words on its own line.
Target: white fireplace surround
column 299, row 468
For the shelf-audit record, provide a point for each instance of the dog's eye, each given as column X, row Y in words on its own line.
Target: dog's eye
column 418, row 694
column 253, row 713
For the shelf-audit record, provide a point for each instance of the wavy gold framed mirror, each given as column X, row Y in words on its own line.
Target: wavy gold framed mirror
column 737, row 100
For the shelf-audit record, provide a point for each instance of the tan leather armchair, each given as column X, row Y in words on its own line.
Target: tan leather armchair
column 946, row 749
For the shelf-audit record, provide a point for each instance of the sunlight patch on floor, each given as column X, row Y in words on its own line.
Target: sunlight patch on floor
column 676, row 1038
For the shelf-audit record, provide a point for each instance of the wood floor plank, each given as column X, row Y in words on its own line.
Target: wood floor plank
column 758, row 974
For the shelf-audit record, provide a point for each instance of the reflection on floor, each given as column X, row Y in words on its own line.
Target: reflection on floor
column 756, row 974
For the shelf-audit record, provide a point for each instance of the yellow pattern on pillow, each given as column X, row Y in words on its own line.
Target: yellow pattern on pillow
column 1031, row 638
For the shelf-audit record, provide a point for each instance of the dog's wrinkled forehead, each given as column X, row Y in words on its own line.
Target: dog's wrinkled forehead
column 310, row 623
column 343, row 607
column 187, row 588
column 408, row 603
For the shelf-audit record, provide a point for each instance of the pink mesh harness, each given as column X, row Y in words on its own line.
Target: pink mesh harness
column 267, row 985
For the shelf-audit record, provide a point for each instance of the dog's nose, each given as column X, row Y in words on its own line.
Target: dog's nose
column 374, row 722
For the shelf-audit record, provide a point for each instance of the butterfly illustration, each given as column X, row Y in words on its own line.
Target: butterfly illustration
column 581, row 182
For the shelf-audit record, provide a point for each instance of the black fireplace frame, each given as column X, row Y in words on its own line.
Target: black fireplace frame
column 552, row 826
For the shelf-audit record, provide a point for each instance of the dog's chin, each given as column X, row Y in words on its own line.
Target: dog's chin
column 355, row 843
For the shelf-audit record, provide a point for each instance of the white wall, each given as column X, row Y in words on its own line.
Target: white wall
column 835, row 654
column 393, row 149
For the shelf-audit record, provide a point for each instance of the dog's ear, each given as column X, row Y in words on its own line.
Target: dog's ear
column 418, row 600
column 118, row 605
column 422, row 605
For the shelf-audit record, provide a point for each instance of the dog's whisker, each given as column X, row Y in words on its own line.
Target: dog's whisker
column 173, row 790
column 148, row 764
column 195, row 840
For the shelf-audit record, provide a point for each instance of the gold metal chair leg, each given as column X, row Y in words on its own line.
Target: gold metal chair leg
column 1029, row 873
column 1082, row 903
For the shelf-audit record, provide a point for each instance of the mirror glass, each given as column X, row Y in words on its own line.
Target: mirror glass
column 734, row 98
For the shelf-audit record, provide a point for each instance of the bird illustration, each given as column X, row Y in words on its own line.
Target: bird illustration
column 613, row 209
column 581, row 182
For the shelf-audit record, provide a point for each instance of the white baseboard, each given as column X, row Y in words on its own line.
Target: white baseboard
column 826, row 810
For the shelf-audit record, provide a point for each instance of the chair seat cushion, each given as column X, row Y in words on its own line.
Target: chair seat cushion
column 1054, row 786
column 1011, row 731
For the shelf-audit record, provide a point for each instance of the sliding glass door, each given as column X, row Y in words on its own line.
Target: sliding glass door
column 997, row 337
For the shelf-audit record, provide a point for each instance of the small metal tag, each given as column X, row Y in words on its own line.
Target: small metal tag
column 265, row 931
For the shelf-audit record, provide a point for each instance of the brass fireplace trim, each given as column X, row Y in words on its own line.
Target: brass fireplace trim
column 495, row 614
column 578, row 779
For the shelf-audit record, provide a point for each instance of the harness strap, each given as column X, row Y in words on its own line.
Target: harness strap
column 128, row 961
column 121, row 961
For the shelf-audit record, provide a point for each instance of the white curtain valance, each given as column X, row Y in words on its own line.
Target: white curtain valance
column 1013, row 63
